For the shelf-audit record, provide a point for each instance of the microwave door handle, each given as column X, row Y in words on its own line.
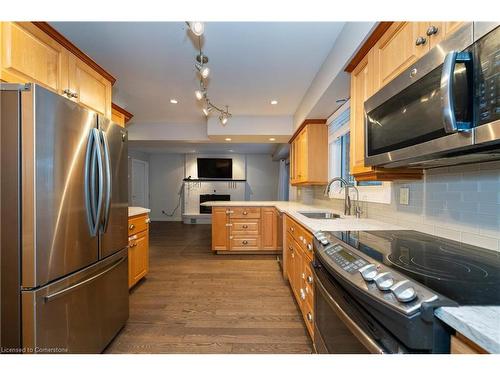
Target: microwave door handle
column 447, row 89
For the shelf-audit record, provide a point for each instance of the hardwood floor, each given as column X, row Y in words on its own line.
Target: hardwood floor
column 195, row 302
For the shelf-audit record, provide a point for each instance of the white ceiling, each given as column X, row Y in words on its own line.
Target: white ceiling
column 175, row 147
column 251, row 63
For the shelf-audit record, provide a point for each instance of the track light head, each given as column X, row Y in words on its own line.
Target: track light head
column 203, row 70
column 200, row 94
column 207, row 109
column 196, row 27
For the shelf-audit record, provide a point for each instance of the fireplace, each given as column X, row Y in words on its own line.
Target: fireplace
column 209, row 198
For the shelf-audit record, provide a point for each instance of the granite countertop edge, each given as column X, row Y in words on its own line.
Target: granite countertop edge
column 480, row 324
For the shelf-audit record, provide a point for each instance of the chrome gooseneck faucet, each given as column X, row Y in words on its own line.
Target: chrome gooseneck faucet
column 347, row 199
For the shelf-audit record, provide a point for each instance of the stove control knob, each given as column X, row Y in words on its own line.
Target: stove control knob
column 384, row 280
column 403, row 291
column 368, row 272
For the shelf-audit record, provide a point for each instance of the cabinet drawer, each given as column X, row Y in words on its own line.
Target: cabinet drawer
column 308, row 283
column 245, row 212
column 245, row 227
column 245, row 243
column 305, row 240
column 137, row 224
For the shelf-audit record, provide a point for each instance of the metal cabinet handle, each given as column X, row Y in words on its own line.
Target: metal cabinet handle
column 309, row 247
column 131, row 226
column 244, row 242
column 309, row 317
column 70, row 93
column 229, row 212
column 420, row 41
column 292, row 229
column 229, row 225
column 309, row 279
column 245, row 213
column 301, row 238
column 413, row 72
column 431, row 30
column 245, row 226
column 302, row 294
column 148, row 220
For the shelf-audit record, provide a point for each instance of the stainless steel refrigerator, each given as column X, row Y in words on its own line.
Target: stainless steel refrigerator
column 64, row 212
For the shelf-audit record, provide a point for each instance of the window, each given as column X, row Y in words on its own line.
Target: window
column 339, row 163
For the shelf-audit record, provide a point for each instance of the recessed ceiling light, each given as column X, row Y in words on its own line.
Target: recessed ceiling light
column 272, row 139
column 230, row 150
column 173, row 101
column 228, row 139
column 274, row 102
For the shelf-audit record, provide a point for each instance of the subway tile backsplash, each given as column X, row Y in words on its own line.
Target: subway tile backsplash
column 460, row 202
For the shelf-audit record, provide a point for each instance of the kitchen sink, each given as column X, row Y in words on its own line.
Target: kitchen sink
column 320, row 215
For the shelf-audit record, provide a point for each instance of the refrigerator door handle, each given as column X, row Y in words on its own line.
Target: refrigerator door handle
column 89, row 190
column 100, row 180
column 107, row 160
column 62, row 292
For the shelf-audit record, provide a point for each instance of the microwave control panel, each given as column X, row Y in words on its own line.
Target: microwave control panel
column 488, row 78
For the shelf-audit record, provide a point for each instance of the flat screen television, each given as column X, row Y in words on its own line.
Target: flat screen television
column 215, row 168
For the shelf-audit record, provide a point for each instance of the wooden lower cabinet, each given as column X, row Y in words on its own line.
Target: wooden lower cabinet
column 245, row 230
column 297, row 268
column 462, row 345
column 138, row 248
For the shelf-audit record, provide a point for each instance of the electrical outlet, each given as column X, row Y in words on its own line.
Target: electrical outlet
column 404, row 196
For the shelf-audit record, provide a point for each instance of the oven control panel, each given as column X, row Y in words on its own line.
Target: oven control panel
column 345, row 259
column 377, row 279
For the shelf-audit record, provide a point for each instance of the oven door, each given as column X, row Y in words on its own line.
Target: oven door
column 426, row 113
column 342, row 326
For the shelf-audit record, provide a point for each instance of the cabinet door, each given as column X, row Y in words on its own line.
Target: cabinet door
column 361, row 89
column 438, row 31
column 91, row 89
column 298, row 275
column 30, row 55
column 269, row 228
column 138, row 256
column 302, row 156
column 398, row 49
column 220, row 233
column 290, row 262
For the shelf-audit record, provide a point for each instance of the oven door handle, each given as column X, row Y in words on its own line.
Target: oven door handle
column 447, row 89
column 356, row 330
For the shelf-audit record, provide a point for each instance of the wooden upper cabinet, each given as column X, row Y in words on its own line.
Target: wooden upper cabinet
column 438, row 31
column 91, row 89
column 220, row 233
column 362, row 79
column 120, row 115
column 36, row 52
column 30, row 55
column 309, row 154
column 397, row 49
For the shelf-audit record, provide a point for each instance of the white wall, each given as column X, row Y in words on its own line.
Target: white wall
column 166, row 172
column 461, row 203
column 251, row 125
column 262, row 178
column 132, row 154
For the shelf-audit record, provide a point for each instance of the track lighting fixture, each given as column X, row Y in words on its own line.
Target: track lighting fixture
column 197, row 28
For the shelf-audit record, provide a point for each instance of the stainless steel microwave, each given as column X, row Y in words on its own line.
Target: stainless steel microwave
column 444, row 109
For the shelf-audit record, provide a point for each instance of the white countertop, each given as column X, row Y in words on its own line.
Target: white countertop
column 293, row 210
column 133, row 211
column 480, row 324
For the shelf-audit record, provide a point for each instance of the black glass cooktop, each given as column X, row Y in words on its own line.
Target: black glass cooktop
column 467, row 274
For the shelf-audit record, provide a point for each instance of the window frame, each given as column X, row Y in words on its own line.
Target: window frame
column 375, row 193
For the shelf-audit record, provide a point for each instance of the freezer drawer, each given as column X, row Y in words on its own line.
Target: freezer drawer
column 80, row 313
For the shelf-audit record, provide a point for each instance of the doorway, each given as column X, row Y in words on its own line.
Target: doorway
column 140, row 183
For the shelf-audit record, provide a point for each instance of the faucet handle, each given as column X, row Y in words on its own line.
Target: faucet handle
column 357, row 210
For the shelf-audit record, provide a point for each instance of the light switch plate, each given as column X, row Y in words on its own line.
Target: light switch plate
column 404, row 196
